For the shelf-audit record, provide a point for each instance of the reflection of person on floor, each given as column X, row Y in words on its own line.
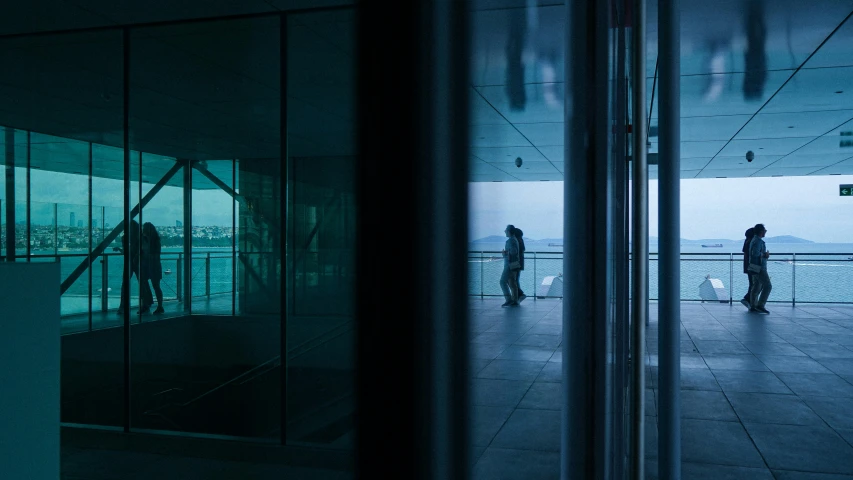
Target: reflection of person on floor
column 151, row 268
column 129, row 247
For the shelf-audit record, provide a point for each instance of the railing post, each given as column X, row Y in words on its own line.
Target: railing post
column 179, row 277
column 731, row 277
column 794, row 280
column 105, row 283
column 207, row 275
column 482, row 288
column 534, row 276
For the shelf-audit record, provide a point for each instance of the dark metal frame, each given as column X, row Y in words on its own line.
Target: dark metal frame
column 414, row 108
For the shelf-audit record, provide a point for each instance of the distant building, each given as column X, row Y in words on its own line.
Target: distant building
column 73, row 220
column 179, row 223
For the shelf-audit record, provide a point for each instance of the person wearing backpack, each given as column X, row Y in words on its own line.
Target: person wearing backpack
column 758, row 256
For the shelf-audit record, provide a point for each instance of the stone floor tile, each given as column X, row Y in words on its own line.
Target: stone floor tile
column 510, row 464
column 773, row 408
column 812, row 448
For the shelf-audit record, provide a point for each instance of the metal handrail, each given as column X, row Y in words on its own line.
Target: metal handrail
column 715, row 257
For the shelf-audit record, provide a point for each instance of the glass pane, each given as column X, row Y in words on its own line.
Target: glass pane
column 65, row 90
column 213, row 262
column 202, row 95
column 162, row 240
column 322, row 213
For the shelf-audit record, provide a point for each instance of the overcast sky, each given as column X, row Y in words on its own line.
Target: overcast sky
column 806, row 207
column 210, row 207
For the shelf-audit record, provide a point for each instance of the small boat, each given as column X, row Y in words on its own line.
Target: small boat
column 168, row 271
column 714, row 245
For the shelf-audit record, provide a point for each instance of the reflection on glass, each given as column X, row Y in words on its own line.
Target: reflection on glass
column 197, row 104
column 322, row 221
column 213, row 232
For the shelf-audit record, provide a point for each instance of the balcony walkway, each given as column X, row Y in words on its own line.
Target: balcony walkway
column 217, row 304
column 763, row 396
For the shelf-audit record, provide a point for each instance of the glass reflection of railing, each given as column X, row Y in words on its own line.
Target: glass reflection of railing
column 212, row 274
column 796, row 277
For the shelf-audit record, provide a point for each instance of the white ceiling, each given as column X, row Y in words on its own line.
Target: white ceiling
column 793, row 125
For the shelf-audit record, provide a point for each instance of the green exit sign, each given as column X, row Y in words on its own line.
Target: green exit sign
column 845, row 190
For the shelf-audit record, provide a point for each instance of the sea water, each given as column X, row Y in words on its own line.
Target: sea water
column 801, row 272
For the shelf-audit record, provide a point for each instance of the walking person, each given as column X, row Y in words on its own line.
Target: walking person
column 151, row 268
column 129, row 246
column 758, row 256
column 748, row 234
column 511, row 264
column 519, row 235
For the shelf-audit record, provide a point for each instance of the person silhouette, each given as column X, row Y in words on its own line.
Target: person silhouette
column 519, row 235
column 151, row 268
column 129, row 246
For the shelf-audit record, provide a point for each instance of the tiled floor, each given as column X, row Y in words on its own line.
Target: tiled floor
column 86, row 464
column 763, row 396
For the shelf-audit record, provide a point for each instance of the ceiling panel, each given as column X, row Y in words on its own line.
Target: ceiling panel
column 482, row 113
column 725, row 173
column 533, row 103
column 740, row 162
column 541, row 34
column 492, row 177
column 543, row 134
column 527, row 168
column 497, row 136
column 555, row 153
column 836, row 51
column 508, row 154
column 715, row 35
column 711, row 128
column 539, row 177
column 798, row 159
column 764, row 146
column 477, row 167
column 800, row 124
column 841, row 168
column 784, row 172
column 693, row 149
column 829, row 145
column 723, row 94
column 694, row 163
column 815, row 89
